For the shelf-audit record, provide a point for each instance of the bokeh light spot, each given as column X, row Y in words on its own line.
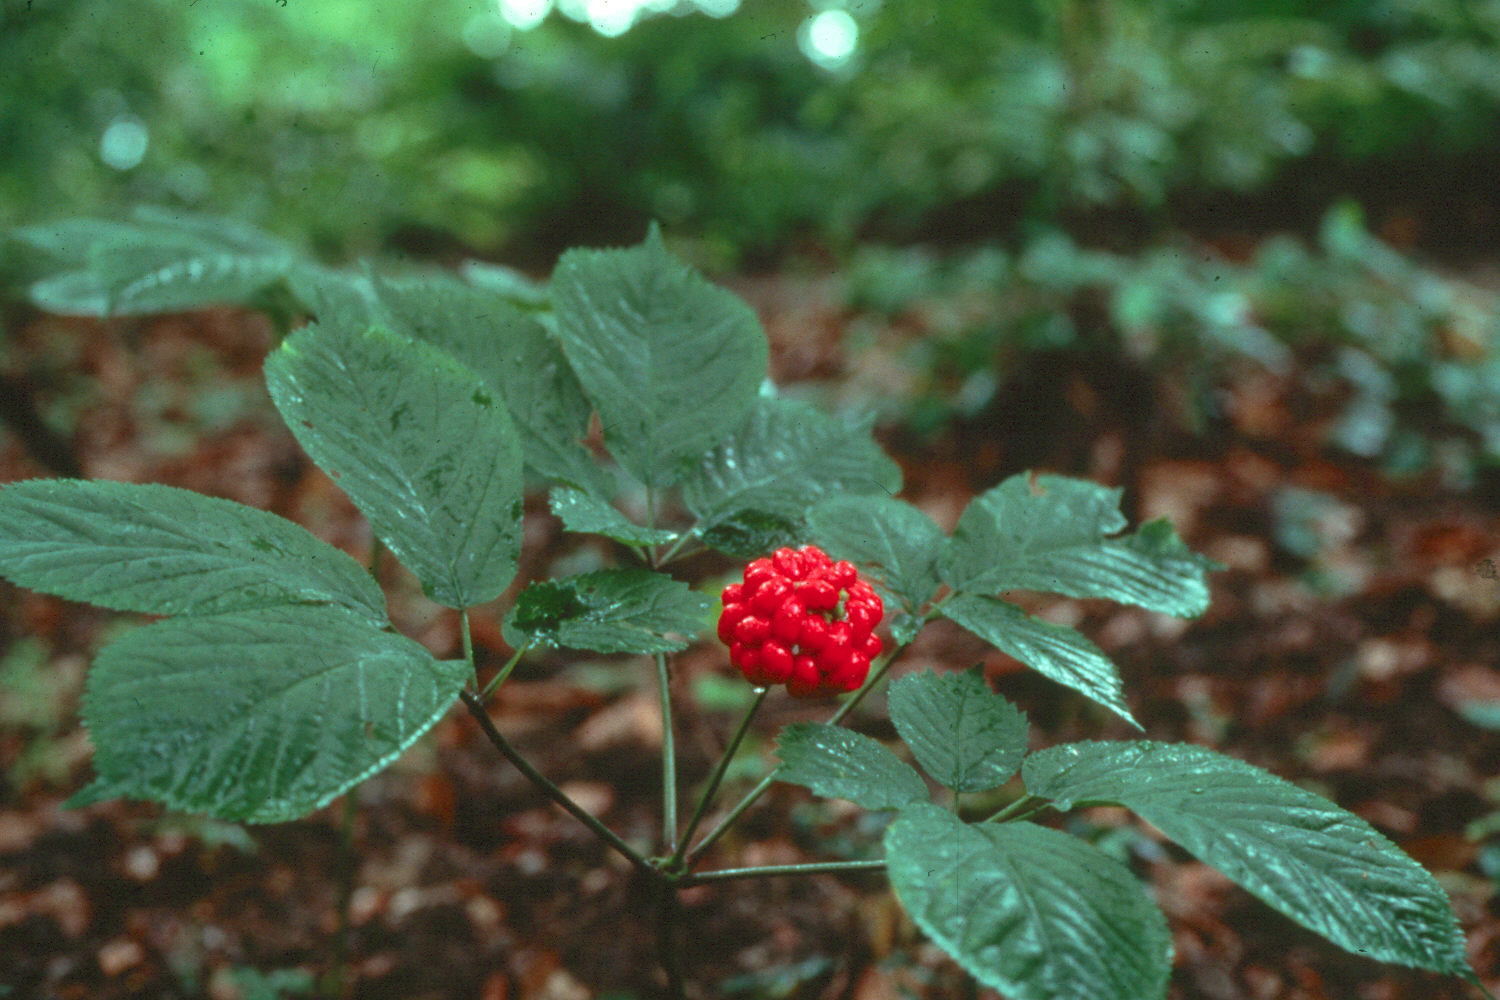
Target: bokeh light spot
column 523, row 15
column 123, row 144
column 829, row 38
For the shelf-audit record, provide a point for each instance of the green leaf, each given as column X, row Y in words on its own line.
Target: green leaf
column 261, row 715
column 159, row 261
column 890, row 539
column 1031, row 912
column 608, row 611
column 964, row 735
column 507, row 283
column 513, row 352
column 589, row 515
column 781, row 460
column 670, row 361
column 163, row 550
column 746, row 534
column 1014, row 538
column 1322, row 866
column 840, row 764
column 1054, row 651
column 421, row 445
column 506, row 347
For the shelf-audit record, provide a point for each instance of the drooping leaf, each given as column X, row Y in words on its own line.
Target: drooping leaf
column 1014, row 538
column 894, row 541
column 964, row 735
column 422, row 446
column 587, row 514
column 782, row 459
column 1320, row 865
column 608, row 611
column 1031, row 912
column 516, row 355
column 503, row 345
column 158, row 261
column 163, row 550
column 670, row 361
column 746, row 534
column 1054, row 651
column 507, row 283
column 261, row 715
column 841, row 764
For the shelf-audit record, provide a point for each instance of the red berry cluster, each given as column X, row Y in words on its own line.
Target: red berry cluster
column 802, row 620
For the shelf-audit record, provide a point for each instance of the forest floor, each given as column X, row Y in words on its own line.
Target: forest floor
column 1351, row 647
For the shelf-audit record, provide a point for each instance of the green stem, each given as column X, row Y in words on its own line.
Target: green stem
column 468, row 639
column 671, row 552
column 755, row 793
column 668, row 922
column 1026, row 805
column 339, row 982
column 717, row 777
column 476, row 709
column 668, row 758
column 499, row 678
column 765, row 871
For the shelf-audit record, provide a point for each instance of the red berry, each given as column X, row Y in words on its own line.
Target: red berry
column 769, row 597
column 757, row 573
column 752, row 631
column 819, row 595
column 789, row 563
column 852, row 674
column 841, row 633
column 800, row 619
column 834, row 660
column 814, row 633
column 814, row 557
column 776, row 662
column 786, row 625
column 805, row 679
column 733, row 614
column 861, row 617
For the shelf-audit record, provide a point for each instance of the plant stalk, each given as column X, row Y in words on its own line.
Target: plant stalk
column 504, row 672
column 755, row 793
column 1026, row 805
column 476, row 708
column 765, row 871
column 717, row 778
column 668, row 758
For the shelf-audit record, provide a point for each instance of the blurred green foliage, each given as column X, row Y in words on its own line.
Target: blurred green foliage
column 350, row 127
column 1411, row 356
column 1010, row 137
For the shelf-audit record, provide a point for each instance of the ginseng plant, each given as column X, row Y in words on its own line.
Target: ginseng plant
column 275, row 682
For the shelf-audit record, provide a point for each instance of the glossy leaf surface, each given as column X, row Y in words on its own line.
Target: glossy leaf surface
column 889, row 539
column 841, row 764
column 962, row 733
column 421, row 444
column 163, row 550
column 1320, row 865
column 587, row 514
column 670, row 361
column 1054, row 651
column 1054, row 538
column 784, row 457
column 608, row 611
column 260, row 715
column 1031, row 912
